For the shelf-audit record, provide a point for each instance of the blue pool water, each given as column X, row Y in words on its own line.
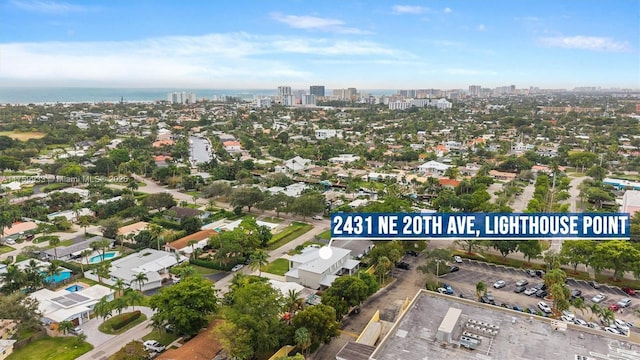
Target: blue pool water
column 74, row 288
column 98, row 258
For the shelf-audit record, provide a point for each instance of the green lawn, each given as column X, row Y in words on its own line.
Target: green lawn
column 292, row 232
column 62, row 243
column 5, row 249
column 277, row 267
column 58, row 348
column 162, row 337
column 325, row 235
column 275, row 220
column 203, row 270
column 105, row 327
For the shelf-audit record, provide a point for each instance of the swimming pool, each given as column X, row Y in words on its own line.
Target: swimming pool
column 98, row 258
column 74, row 288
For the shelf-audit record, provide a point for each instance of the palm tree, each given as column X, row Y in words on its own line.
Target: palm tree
column 596, row 310
column 481, row 289
column 32, row 275
column 85, row 255
column 141, row 278
column 54, row 242
column 238, row 280
column 156, row 231
column 102, row 271
column 119, row 304
column 608, row 316
column 53, row 270
column 119, row 285
column 382, row 267
column 259, row 258
column 65, row 326
column 133, row 297
column 13, row 279
column 302, row 338
column 294, row 301
column 103, row 308
column 84, row 221
column 192, row 243
column 132, row 185
column 579, row 304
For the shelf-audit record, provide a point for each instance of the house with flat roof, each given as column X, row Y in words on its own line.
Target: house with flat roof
column 6, row 348
column 630, row 202
column 153, row 263
column 133, row 229
column 433, row 168
column 310, row 270
column 19, row 228
column 66, row 305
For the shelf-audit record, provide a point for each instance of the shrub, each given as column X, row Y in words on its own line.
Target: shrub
column 212, row 265
column 125, row 319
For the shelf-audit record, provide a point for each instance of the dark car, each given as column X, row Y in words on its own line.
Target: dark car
column 594, row 284
column 403, row 265
column 487, row 300
column 540, row 286
column 454, row 269
column 539, row 273
column 517, row 308
column 519, row 289
column 412, row 253
column 532, row 310
column 541, row 293
column 29, row 237
column 576, row 294
column 629, row 291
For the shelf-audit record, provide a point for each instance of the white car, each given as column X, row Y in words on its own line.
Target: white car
column 566, row 319
column 593, row 325
column 522, row 283
column 625, row 302
column 530, row 291
column 598, row 298
column 569, row 314
column 612, row 330
column 457, row 258
column 152, row 345
column 237, row 267
column 317, row 217
column 621, row 326
column 544, row 307
column 10, row 242
column 580, row 322
column 499, row 284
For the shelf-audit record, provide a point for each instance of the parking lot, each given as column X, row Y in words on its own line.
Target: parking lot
column 471, row 272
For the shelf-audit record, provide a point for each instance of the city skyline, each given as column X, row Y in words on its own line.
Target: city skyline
column 260, row 45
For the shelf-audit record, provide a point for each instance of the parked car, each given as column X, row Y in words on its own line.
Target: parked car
column 594, row 284
column 623, row 303
column 566, row 319
column 499, row 284
column 576, row 294
column 76, row 331
column 517, row 308
column 621, row 325
column 457, row 258
column 519, row 289
column 629, row 291
column 29, row 237
column 317, row 217
column 448, row 288
column 569, row 314
column 544, row 307
column 593, row 325
column 237, row 267
column 487, row 300
column 530, row 291
column 403, row 265
column 454, row 269
column 492, row 300
column 539, row 273
column 531, row 273
column 612, row 330
column 598, row 298
column 152, row 345
column 580, row 322
column 522, row 283
column 412, row 253
column 10, row 242
column 541, row 293
column 532, row 310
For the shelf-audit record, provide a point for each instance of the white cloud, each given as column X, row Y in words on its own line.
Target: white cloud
column 447, row 10
column 49, row 7
column 481, row 27
column 409, row 9
column 316, row 23
column 176, row 60
column 595, row 43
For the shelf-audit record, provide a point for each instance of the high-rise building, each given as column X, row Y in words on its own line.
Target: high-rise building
column 284, row 91
column 475, row 90
column 317, row 90
column 309, row 100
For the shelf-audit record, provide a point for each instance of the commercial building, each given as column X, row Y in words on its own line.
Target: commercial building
column 437, row 326
column 284, row 91
column 317, row 90
column 631, row 202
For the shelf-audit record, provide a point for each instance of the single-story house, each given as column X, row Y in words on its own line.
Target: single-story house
column 133, row 229
column 178, row 214
column 152, row 263
column 182, row 244
column 501, row 175
column 72, row 251
column 310, row 270
column 433, row 168
column 19, row 227
column 71, row 214
column 235, row 224
column 77, row 306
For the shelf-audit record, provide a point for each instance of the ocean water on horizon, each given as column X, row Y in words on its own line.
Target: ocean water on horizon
column 52, row 95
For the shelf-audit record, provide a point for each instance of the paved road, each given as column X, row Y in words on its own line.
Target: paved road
column 107, row 345
column 520, row 202
column 574, row 193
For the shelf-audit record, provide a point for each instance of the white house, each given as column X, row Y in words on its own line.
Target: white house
column 64, row 305
column 293, row 190
column 433, row 168
column 441, row 104
column 322, row 134
column 70, row 214
column 310, row 270
column 344, row 158
column 152, row 263
column 297, row 164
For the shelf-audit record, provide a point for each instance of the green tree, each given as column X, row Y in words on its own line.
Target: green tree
column 320, row 321
column 110, row 227
column 103, row 308
column 259, row 258
column 576, row 252
column 134, row 350
column 370, row 281
column 246, row 196
column 133, row 297
column 308, row 204
column 140, row 278
column 235, row 340
column 302, row 338
column 345, row 292
column 469, row 245
column 65, row 326
column 54, row 242
column 382, row 267
column 505, row 247
column 597, row 172
column 185, row 305
column 255, row 311
column 481, row 289
column 530, row 249
column 191, row 224
column 101, row 245
column 84, row 221
column 617, row 255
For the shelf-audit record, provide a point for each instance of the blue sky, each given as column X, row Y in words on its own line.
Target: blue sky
column 363, row 44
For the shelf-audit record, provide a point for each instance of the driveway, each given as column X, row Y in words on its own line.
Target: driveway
column 520, row 202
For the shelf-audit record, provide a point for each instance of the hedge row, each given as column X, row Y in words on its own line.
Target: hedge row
column 166, row 223
column 125, row 319
column 211, row 265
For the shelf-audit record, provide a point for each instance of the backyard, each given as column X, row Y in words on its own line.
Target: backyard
column 277, row 267
column 57, row 348
column 290, row 233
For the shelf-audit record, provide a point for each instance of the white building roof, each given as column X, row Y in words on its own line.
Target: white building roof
column 315, row 264
column 61, row 305
column 148, row 261
column 434, row 165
